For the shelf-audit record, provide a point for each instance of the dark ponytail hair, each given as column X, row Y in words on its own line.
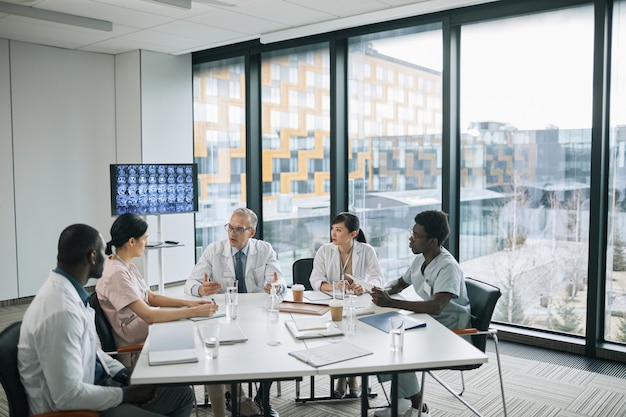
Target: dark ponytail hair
column 352, row 224
column 124, row 227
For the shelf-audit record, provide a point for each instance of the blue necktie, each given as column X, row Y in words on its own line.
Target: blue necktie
column 239, row 272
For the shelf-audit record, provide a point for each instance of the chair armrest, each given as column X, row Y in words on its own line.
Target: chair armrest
column 473, row 331
column 73, row 413
column 130, row 348
column 126, row 349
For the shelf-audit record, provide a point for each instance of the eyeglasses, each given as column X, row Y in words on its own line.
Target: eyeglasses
column 412, row 233
column 236, row 230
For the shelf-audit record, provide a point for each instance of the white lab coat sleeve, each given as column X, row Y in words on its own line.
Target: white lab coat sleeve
column 321, row 261
column 373, row 271
column 204, row 265
column 67, row 357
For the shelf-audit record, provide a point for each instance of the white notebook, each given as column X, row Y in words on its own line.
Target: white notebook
column 330, row 329
column 172, row 342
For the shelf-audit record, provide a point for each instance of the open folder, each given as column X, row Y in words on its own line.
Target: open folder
column 381, row 321
column 172, row 342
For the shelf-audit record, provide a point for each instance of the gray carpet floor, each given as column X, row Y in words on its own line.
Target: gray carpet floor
column 537, row 383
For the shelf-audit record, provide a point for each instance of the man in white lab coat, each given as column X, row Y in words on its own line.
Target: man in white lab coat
column 252, row 262
column 216, row 268
column 60, row 363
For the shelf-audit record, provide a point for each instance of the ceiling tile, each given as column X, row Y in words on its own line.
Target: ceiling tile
column 228, row 19
column 283, row 12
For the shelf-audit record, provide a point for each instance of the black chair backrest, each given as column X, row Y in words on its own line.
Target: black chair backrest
column 103, row 327
column 302, row 269
column 482, row 298
column 9, row 375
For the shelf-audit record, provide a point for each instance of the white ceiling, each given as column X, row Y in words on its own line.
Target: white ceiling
column 149, row 25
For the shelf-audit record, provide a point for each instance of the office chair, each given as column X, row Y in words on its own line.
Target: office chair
column 10, row 378
column 482, row 298
column 105, row 331
column 301, row 271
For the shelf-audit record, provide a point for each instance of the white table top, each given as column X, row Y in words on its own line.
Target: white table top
column 431, row 347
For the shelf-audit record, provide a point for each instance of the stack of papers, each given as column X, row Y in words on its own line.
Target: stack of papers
column 171, row 342
column 314, row 323
column 304, row 308
column 330, row 353
column 302, row 329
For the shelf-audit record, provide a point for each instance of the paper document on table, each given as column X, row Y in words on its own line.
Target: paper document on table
column 171, row 342
column 366, row 285
column 329, row 330
column 314, row 323
column 330, row 353
column 317, row 295
column 214, row 316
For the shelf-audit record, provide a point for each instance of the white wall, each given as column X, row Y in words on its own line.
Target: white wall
column 58, row 134
column 167, row 136
column 63, row 137
column 8, row 243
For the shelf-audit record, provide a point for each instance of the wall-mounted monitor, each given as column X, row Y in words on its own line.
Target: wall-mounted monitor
column 154, row 188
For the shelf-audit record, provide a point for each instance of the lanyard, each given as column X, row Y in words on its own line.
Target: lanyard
column 345, row 265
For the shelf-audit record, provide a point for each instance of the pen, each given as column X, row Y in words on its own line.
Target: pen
column 213, row 299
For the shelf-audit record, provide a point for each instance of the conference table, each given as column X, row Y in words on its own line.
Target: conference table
column 265, row 356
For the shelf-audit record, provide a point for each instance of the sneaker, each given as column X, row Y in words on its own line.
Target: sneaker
column 403, row 405
column 413, row 412
column 249, row 408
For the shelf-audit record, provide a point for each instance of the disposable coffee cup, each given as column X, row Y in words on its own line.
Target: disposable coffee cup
column 298, row 292
column 336, row 310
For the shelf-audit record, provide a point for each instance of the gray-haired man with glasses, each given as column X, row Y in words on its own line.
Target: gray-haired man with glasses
column 251, row 261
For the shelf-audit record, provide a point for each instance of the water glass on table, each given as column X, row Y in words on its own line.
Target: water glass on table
column 211, row 338
column 350, row 305
column 339, row 289
column 396, row 330
column 232, row 300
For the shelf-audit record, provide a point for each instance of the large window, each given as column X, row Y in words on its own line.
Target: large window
column 615, row 314
column 526, row 95
column 296, row 152
column 219, row 145
column 394, row 125
column 523, row 101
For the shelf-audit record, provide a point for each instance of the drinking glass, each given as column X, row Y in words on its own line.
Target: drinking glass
column 211, row 338
column 396, row 329
column 232, row 300
column 339, row 289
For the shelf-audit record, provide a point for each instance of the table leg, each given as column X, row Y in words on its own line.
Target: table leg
column 394, row 395
column 234, row 399
column 364, row 395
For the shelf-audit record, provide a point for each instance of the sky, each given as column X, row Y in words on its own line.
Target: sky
column 530, row 71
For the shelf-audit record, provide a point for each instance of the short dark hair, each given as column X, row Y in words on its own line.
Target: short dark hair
column 124, row 227
column 435, row 224
column 75, row 242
